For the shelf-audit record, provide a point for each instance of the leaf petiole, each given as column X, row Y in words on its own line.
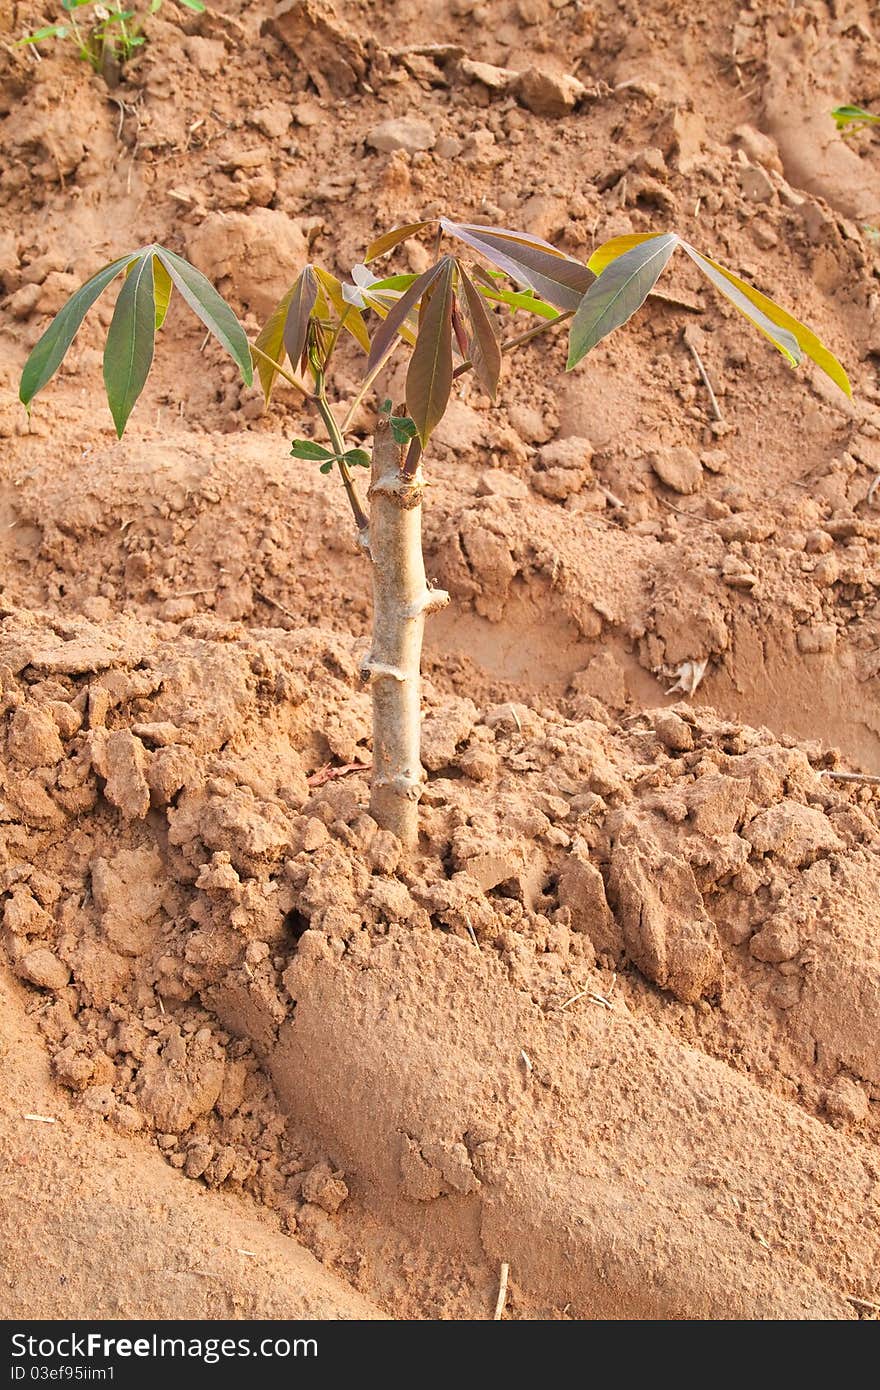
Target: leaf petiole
column 282, row 371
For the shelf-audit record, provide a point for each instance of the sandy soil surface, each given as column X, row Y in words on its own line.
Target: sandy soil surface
column 616, row 1025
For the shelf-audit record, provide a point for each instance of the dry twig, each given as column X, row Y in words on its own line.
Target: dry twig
column 502, row 1291
column 329, row 773
column 870, row 778
column 704, row 375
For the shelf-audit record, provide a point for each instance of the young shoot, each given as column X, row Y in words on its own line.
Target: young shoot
column 450, row 320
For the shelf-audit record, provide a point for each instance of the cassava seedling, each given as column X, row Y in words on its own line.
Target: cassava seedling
column 449, row 319
column 105, row 36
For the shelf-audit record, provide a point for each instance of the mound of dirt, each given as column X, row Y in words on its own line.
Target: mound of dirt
column 182, row 856
column 615, row 1025
column 71, row 1193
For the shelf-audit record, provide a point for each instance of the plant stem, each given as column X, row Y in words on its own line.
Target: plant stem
column 123, row 33
column 336, row 332
column 361, row 520
column 401, row 600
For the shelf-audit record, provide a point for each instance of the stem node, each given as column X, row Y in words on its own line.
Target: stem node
column 401, row 599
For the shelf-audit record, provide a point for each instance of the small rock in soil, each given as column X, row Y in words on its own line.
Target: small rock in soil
column 42, row 967
column 546, row 94
column 846, row 1100
column 673, row 732
column 325, row 1188
column 679, row 468
column 406, row 133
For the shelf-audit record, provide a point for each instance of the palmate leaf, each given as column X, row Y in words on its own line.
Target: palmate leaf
column 316, row 453
column 793, row 339
column 328, row 299
column 382, row 306
column 211, row 308
column 49, row 352
column 619, row 291
column 150, row 274
column 403, row 429
column 367, row 291
column 128, row 353
column 429, row 378
column 557, row 278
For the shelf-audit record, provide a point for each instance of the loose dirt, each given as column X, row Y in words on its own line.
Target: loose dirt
column 616, row 1024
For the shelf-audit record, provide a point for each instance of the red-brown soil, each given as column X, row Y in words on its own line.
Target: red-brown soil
column 616, row 1025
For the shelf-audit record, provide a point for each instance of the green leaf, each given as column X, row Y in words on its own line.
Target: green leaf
column 128, row 352
column 394, row 282
column 358, row 458
column 193, row 5
column 51, row 31
column 429, row 378
column 619, row 291
column 307, row 449
column 271, row 342
column 853, row 115
column 391, row 239
column 514, row 299
column 403, row 429
column 792, row 338
column 211, row 308
column 49, row 352
column 484, row 347
column 395, row 319
column 162, row 287
column 327, row 467
column 299, row 311
column 558, row 278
